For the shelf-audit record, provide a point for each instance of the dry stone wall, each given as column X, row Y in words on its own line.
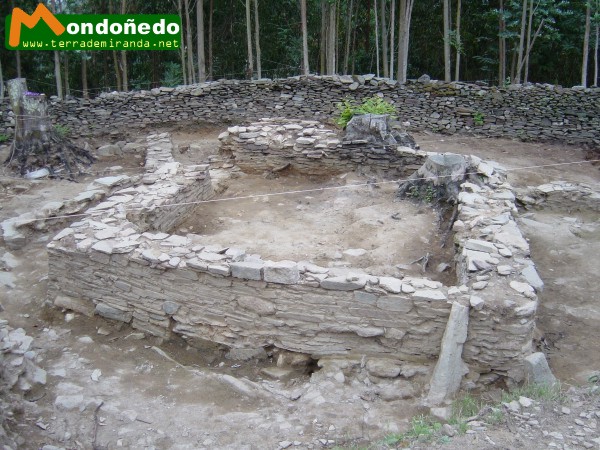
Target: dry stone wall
column 119, row 264
column 533, row 112
column 312, row 148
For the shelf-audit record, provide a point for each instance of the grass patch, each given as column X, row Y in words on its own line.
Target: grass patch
column 422, row 429
column 539, row 392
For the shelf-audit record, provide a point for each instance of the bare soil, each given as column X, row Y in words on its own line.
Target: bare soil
column 328, row 222
column 161, row 395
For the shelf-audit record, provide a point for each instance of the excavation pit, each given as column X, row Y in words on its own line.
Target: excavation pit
column 326, row 221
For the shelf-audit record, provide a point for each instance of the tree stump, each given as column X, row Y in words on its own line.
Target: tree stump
column 438, row 179
column 37, row 145
column 377, row 129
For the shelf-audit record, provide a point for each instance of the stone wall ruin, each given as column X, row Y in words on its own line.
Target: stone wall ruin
column 122, row 264
column 530, row 112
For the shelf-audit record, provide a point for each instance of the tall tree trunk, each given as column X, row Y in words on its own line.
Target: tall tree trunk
column 517, row 77
column 348, row 37
column 305, row 67
column 404, row 20
column 257, row 41
column 250, row 66
column 376, row 37
column 353, row 50
column 323, row 43
column 501, row 45
column 191, row 74
column 529, row 42
column 115, row 57
column 200, row 36
column 458, row 41
column 513, row 66
column 392, row 37
column 210, row 41
column 447, row 61
column 586, row 44
column 596, row 49
column 17, row 52
column 331, row 39
column 184, row 70
column 384, row 39
column 57, row 71
column 57, row 75
column 66, row 73
column 124, row 73
column 84, row 76
column 18, row 62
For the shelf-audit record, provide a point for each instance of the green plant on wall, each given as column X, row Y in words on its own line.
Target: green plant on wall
column 62, row 130
column 3, row 138
column 478, row 118
column 372, row 105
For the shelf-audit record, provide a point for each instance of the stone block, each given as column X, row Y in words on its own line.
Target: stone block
column 80, row 305
column 537, row 369
column 248, row 270
column 281, row 272
column 109, row 312
column 344, row 283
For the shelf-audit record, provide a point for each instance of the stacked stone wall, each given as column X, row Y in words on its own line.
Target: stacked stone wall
column 531, row 112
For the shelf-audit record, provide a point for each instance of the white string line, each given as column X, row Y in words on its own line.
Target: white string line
column 295, row 192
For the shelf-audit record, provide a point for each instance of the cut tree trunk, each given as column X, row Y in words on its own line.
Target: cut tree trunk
column 437, row 180
column 37, row 145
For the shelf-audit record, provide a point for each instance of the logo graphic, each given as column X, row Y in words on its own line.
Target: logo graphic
column 20, row 17
column 44, row 30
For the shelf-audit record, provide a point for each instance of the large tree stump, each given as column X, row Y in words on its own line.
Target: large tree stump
column 438, row 179
column 37, row 145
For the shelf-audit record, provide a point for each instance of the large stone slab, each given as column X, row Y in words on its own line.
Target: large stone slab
column 537, row 369
column 450, row 368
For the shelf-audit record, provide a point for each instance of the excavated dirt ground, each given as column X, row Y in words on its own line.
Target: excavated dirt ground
column 170, row 396
column 340, row 226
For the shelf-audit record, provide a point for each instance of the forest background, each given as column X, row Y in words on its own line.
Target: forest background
column 499, row 42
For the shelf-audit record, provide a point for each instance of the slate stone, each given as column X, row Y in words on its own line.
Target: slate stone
column 281, row 272
column 532, row 277
column 537, row 369
column 109, row 312
column 248, row 270
column 450, row 368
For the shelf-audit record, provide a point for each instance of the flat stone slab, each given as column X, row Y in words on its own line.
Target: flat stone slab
column 429, row 294
column 344, row 283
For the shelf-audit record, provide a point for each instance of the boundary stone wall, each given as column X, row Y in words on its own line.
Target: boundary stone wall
column 531, row 112
column 121, row 266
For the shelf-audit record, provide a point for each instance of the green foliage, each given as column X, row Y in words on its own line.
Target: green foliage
column 172, row 75
column 422, row 429
column 426, row 194
column 539, row 392
column 372, row 105
column 478, row 118
column 4, row 138
column 62, row 130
